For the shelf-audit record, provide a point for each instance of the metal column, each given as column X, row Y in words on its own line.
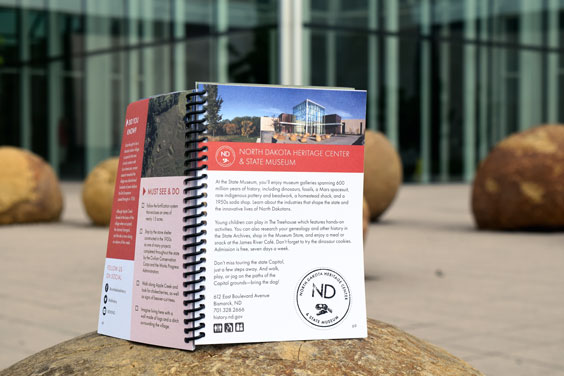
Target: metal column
column 444, row 133
column 148, row 53
column 425, row 93
column 552, row 71
column 291, row 42
column 98, row 91
column 373, row 90
column 179, row 47
column 25, row 78
column 530, row 82
column 484, row 92
column 134, row 54
column 470, row 91
column 392, row 74
column 54, row 88
column 222, row 41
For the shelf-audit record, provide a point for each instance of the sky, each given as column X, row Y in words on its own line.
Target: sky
column 272, row 101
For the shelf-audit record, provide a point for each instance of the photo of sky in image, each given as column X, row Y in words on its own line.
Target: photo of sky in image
column 273, row 101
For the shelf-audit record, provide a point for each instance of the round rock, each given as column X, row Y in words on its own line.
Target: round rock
column 382, row 173
column 98, row 191
column 29, row 188
column 386, row 351
column 520, row 184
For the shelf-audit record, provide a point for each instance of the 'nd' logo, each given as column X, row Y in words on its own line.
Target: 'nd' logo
column 325, row 291
column 225, row 156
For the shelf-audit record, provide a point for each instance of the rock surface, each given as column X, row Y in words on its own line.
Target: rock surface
column 386, row 351
column 520, row 184
column 382, row 173
column 29, row 188
column 98, row 191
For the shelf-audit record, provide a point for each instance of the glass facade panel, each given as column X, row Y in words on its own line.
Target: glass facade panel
column 39, row 135
column 446, row 79
column 342, row 13
column 9, row 105
column 310, row 118
column 69, row 68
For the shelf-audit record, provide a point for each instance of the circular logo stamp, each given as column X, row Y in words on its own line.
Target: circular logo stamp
column 323, row 298
column 225, row 156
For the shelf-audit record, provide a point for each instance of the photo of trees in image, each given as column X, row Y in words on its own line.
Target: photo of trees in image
column 238, row 129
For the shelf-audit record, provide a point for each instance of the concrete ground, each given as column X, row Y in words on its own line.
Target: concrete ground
column 495, row 300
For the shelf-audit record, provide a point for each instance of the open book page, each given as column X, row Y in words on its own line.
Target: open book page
column 284, row 224
column 142, row 290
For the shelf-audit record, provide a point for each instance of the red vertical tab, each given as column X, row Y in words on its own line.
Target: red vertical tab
column 121, row 239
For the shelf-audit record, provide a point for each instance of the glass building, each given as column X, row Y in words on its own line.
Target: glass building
column 446, row 79
column 309, row 117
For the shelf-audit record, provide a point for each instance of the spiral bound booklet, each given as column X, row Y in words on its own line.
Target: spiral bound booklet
column 237, row 217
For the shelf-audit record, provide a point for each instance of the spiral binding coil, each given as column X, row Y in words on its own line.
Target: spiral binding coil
column 194, row 216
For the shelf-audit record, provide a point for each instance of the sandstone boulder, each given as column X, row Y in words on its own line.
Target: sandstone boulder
column 382, row 173
column 98, row 191
column 520, row 184
column 386, row 351
column 29, row 188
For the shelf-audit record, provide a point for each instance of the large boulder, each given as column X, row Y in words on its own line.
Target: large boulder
column 98, row 191
column 29, row 188
column 386, row 351
column 382, row 173
column 520, row 184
